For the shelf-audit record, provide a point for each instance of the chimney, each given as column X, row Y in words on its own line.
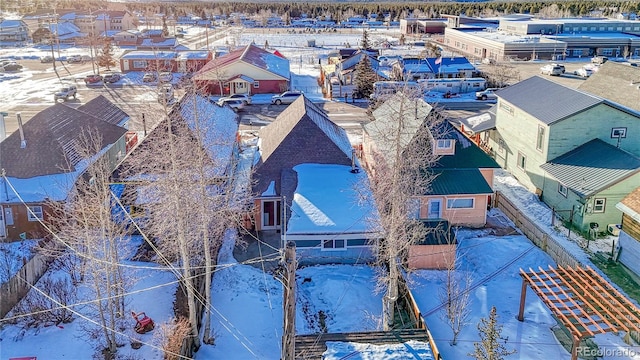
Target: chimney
column 3, row 129
column 23, row 142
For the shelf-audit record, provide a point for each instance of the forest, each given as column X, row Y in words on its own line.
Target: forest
column 341, row 10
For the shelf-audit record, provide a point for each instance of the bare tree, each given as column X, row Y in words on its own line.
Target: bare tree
column 491, row 345
column 92, row 237
column 500, row 74
column 454, row 295
column 404, row 130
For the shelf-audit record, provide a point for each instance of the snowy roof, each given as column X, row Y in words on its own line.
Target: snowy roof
column 327, row 200
column 5, row 24
column 217, row 127
column 104, row 109
column 156, row 42
column 194, row 55
column 482, row 122
column 450, row 64
column 63, row 28
column 413, row 113
column 253, row 55
column 151, row 55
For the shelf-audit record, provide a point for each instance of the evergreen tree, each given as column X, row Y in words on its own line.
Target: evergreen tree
column 491, row 345
column 106, row 59
column 365, row 77
column 365, row 44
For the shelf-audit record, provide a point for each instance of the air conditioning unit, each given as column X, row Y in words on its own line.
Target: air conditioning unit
column 614, row 229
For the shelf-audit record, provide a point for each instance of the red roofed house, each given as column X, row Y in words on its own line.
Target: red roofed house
column 248, row 70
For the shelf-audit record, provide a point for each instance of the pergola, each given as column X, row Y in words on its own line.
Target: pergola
column 584, row 302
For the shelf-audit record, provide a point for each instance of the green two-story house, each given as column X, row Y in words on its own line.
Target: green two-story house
column 544, row 136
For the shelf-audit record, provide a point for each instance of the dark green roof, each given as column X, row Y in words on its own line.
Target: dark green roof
column 458, row 182
column 467, row 155
column 592, row 167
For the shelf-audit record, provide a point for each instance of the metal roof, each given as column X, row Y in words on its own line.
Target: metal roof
column 458, row 182
column 546, row 100
column 592, row 166
column 478, row 123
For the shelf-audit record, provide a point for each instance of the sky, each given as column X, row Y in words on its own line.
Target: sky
column 247, row 301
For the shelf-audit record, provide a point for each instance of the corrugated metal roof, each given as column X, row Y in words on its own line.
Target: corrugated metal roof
column 467, row 154
column 458, row 182
column 482, row 122
column 592, row 166
column 546, row 100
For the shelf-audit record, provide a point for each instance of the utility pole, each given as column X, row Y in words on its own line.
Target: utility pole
column 289, row 333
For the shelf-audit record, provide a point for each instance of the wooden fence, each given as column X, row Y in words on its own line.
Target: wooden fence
column 416, row 317
column 19, row 285
column 536, row 234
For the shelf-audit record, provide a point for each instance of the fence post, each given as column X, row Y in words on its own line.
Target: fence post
column 289, row 333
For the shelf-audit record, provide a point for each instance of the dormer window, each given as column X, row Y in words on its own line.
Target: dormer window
column 444, row 144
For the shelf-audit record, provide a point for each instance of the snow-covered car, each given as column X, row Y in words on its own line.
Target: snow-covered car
column 242, row 97
column 584, row 72
column 74, row 59
column 165, row 77
column 487, row 94
column 286, row 97
column 235, row 104
column 149, row 77
column 65, row 92
column 112, row 78
column 12, row 66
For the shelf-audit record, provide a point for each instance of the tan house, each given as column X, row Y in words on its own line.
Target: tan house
column 629, row 239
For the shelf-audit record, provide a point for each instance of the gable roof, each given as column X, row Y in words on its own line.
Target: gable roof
column 105, row 110
column 273, row 134
column 613, row 81
column 481, row 122
column 449, row 64
column 387, row 116
column 458, row 182
column 52, row 136
column 252, row 55
column 546, row 100
column 592, row 167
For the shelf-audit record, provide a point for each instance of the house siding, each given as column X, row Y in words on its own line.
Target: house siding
column 582, row 217
column 630, row 253
column 631, row 226
column 476, row 217
column 310, row 252
column 594, row 123
column 266, row 87
column 269, row 82
column 431, row 256
column 21, row 223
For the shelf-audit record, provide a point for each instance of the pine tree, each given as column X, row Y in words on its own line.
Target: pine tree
column 491, row 345
column 365, row 44
column 105, row 59
column 365, row 77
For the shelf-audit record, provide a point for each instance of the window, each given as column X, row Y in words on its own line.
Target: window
column 540, row 138
column 35, row 213
column 444, row 144
column 562, row 190
column 256, row 84
column 459, row 203
column 139, row 64
column 501, row 145
column 522, row 160
column 333, row 245
column 599, row 205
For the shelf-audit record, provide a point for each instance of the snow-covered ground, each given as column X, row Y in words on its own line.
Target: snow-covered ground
column 248, row 302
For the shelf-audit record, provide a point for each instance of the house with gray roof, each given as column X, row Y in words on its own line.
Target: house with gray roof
column 591, row 180
column 305, row 160
column 538, row 120
column 616, row 82
column 42, row 162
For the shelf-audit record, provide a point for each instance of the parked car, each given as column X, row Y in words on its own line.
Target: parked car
column 286, row 97
column 242, row 97
column 165, row 93
column 486, row 94
column 165, row 77
column 112, row 78
column 47, row 59
column 65, row 92
column 235, row 104
column 149, row 77
column 599, row 60
column 92, row 79
column 11, row 66
column 552, row 69
column 583, row 72
column 74, row 59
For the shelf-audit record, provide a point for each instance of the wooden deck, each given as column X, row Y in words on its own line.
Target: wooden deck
column 310, row 347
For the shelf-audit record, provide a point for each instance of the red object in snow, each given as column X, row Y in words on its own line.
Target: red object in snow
column 143, row 322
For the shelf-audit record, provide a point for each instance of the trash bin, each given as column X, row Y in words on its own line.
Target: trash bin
column 594, row 226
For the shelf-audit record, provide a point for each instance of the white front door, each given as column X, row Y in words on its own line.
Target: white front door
column 3, row 231
column 435, row 209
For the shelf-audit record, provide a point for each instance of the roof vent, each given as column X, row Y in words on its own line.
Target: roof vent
column 23, row 141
